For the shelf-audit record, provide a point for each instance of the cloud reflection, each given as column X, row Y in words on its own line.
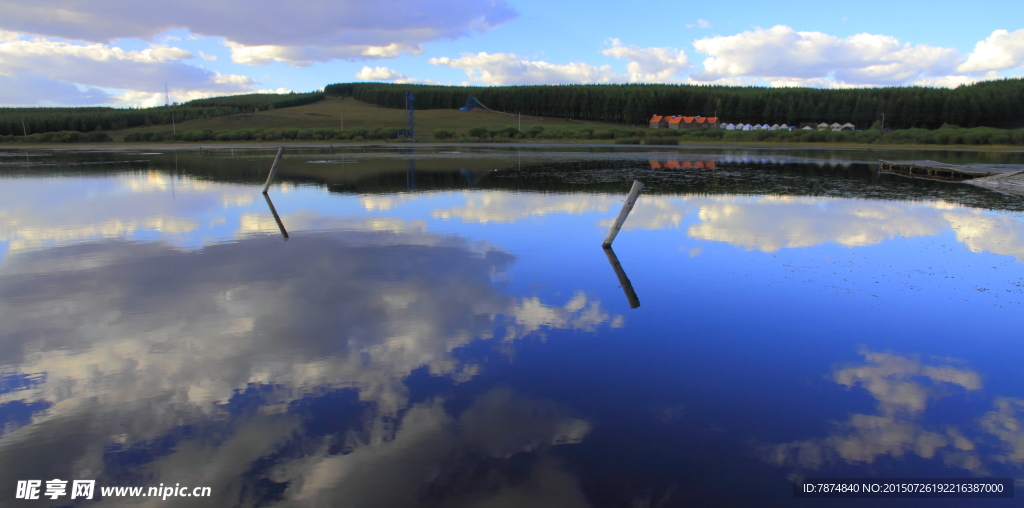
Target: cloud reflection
column 903, row 387
column 109, row 207
column 771, row 223
column 434, row 449
column 651, row 212
column 764, row 223
column 145, row 338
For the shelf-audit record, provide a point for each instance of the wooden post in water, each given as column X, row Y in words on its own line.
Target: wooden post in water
column 627, row 286
column 634, row 193
column 273, row 169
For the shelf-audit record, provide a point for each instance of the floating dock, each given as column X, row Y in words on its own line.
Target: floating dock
column 1006, row 183
column 940, row 170
column 1005, row 178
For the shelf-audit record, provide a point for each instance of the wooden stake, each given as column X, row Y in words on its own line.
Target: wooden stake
column 634, row 193
column 273, row 169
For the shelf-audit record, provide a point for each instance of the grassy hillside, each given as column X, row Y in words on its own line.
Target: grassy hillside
column 22, row 121
column 328, row 113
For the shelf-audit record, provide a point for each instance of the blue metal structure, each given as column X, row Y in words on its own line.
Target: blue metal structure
column 411, row 107
column 471, row 103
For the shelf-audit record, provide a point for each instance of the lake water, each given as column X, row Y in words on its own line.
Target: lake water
column 441, row 327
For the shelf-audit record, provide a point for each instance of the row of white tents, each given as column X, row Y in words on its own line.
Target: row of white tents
column 765, row 127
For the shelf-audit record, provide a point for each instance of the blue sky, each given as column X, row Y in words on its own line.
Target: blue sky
column 56, row 52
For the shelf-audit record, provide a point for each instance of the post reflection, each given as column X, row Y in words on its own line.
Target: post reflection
column 277, row 218
column 627, row 286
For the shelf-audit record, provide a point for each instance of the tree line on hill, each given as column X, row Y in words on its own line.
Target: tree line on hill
column 998, row 103
column 22, row 121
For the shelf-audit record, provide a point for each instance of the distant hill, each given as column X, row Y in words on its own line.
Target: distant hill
column 39, row 120
column 997, row 103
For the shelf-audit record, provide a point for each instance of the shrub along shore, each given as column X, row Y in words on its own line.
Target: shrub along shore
column 947, row 135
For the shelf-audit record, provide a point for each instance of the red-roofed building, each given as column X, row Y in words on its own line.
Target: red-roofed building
column 684, row 122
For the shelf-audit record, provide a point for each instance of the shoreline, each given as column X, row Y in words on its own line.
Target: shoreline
column 215, row 145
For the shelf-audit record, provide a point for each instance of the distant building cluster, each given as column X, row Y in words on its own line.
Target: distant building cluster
column 680, row 122
column 758, row 127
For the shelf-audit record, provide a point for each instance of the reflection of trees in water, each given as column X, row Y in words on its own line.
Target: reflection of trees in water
column 379, row 170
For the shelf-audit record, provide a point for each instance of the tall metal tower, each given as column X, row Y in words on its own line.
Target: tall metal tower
column 409, row 105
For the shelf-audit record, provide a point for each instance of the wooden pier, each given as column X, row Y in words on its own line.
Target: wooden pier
column 1006, row 183
column 938, row 170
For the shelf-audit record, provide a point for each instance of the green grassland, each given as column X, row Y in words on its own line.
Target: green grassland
column 329, row 113
column 321, row 121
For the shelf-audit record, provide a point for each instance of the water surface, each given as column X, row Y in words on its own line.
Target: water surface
column 440, row 327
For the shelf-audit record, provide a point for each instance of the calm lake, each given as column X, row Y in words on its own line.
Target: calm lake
column 441, row 327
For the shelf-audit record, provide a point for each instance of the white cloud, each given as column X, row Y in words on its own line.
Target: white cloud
column 163, row 52
column 649, row 65
column 368, row 73
column 62, row 65
column 779, row 56
column 508, row 69
column 952, row 81
column 646, row 65
column 299, row 56
column 1000, row 51
column 703, row 23
column 316, row 30
column 783, row 55
column 379, row 74
column 208, row 58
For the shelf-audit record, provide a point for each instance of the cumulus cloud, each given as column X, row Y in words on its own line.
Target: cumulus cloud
column 646, row 65
column 304, row 56
column 649, row 65
column 508, row 69
column 304, row 32
column 1000, row 51
column 66, row 64
column 782, row 53
column 368, row 73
